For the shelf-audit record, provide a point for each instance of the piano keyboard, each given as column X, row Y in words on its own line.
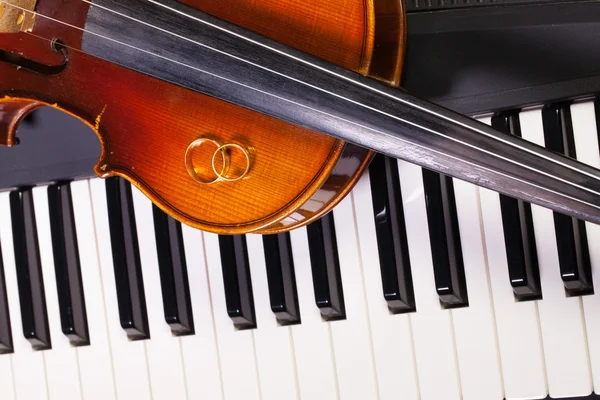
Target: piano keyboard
column 416, row 286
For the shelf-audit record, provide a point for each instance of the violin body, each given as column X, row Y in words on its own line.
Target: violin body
column 146, row 125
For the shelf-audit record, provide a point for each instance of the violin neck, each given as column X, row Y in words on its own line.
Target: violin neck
column 186, row 47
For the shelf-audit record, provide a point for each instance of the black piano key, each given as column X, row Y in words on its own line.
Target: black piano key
column 390, row 229
column 172, row 267
column 281, row 278
column 32, row 299
column 519, row 236
column 126, row 259
column 71, row 301
column 571, row 236
column 444, row 235
column 6, row 343
column 325, row 265
column 237, row 281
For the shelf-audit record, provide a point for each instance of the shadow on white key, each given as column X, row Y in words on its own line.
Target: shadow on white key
column 28, row 365
column 95, row 361
column 62, row 368
column 129, row 357
column 7, row 388
column 474, row 326
column 312, row 338
column 200, row 353
column 433, row 335
column 561, row 317
column 392, row 336
column 517, row 323
column 273, row 343
column 352, row 336
column 236, row 348
column 163, row 349
column 585, row 133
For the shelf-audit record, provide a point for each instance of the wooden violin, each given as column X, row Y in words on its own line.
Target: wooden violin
column 254, row 116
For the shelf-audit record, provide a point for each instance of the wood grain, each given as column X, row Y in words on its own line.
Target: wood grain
column 146, row 125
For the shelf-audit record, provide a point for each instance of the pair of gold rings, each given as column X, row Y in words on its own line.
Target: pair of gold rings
column 228, row 172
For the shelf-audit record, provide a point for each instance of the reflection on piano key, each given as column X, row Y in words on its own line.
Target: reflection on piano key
column 173, row 273
column 71, row 301
column 62, row 368
column 561, row 317
column 519, row 238
column 200, row 353
column 273, row 343
column 129, row 357
column 236, row 347
column 435, row 350
column 571, row 236
column 448, row 265
column 391, row 234
column 392, row 336
column 312, row 338
column 585, row 132
column 163, row 350
column 236, row 280
column 29, row 373
column 281, row 278
column 126, row 259
column 34, row 317
column 517, row 324
column 95, row 361
column 6, row 342
column 325, row 265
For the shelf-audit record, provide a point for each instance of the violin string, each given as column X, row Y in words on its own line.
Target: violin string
column 199, row 70
column 349, row 79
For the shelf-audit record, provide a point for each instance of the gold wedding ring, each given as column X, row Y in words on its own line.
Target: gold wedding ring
column 221, row 174
column 189, row 164
column 200, row 175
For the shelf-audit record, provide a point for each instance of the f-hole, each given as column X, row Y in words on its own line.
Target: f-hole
column 33, row 66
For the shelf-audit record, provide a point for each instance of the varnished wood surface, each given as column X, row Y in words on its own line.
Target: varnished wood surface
column 146, row 125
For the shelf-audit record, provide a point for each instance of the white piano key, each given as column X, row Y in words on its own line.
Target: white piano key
column 95, row 360
column 517, row 323
column 163, row 349
column 312, row 338
column 392, row 336
column 62, row 368
column 352, row 341
column 474, row 326
column 587, row 150
column 200, row 353
column 561, row 317
column 433, row 336
column 129, row 357
column 236, row 348
column 29, row 372
column 7, row 387
column 273, row 343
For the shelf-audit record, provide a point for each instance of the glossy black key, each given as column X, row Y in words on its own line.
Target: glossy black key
column 126, row 259
column 325, row 265
column 71, row 301
column 32, row 299
column 237, row 281
column 6, row 343
column 390, row 228
column 571, row 235
column 519, row 236
column 172, row 267
column 444, row 235
column 281, row 278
